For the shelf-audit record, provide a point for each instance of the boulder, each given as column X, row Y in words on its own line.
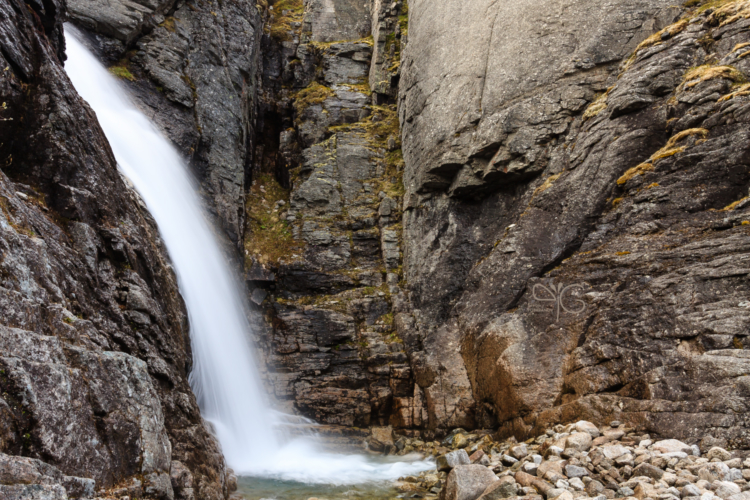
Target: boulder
column 575, row 471
column 518, row 452
column 500, row 489
column 584, row 426
column 714, row 471
column 579, row 441
column 725, row 489
column 671, row 445
column 453, row 459
column 648, row 470
column 719, row 453
column 467, row 482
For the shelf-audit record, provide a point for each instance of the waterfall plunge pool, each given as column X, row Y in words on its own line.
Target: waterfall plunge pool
column 224, row 379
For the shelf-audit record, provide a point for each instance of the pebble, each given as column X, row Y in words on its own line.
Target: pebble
column 581, row 461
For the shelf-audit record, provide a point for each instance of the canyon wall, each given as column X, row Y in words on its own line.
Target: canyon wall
column 450, row 214
column 94, row 338
column 575, row 213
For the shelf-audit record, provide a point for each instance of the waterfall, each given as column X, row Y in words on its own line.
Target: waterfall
column 225, row 379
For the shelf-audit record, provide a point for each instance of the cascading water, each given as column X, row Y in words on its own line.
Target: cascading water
column 224, row 376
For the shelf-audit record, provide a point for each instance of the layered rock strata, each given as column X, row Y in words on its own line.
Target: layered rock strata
column 575, row 213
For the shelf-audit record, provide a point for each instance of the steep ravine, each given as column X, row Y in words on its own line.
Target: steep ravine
column 476, row 213
column 94, row 342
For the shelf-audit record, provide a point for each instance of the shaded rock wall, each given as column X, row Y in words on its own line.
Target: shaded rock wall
column 94, row 344
column 328, row 206
column 546, row 167
column 193, row 69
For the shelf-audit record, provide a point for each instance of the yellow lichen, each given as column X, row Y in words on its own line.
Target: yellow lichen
column 596, row 107
column 652, row 185
column 699, row 74
column 669, row 149
column 730, row 11
column 733, row 205
column 269, row 238
column 122, row 72
column 740, row 91
column 285, row 12
column 547, row 184
column 314, row 93
column 637, row 170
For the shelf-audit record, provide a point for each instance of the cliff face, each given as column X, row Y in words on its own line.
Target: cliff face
column 192, row 66
column 324, row 215
column 575, row 215
column 471, row 214
column 94, row 345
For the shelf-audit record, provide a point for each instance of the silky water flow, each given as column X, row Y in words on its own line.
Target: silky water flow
column 225, row 379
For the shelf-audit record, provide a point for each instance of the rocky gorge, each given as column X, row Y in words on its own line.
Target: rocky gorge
column 523, row 219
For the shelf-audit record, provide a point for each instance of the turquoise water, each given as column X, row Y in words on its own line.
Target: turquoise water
column 270, row 489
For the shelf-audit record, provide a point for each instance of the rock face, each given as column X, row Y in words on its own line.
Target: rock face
column 193, row 69
column 324, row 235
column 575, row 215
column 94, row 345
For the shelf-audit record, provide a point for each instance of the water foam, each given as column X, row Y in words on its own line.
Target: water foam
column 224, row 377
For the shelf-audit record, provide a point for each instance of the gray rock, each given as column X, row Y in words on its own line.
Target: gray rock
column 648, row 470
column 93, row 334
column 575, row 471
column 725, row 489
column 719, row 453
column 518, row 452
column 467, row 482
column 500, row 489
column 452, row 460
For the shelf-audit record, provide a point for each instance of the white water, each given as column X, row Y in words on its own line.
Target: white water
column 224, row 378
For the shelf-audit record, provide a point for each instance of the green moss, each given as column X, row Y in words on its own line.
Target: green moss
column 314, row 93
column 169, row 24
column 268, row 238
column 122, row 72
column 285, row 12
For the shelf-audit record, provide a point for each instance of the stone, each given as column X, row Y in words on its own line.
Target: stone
column 451, row 460
column 644, row 490
column 575, row 471
column 500, row 489
column 467, row 482
column 708, row 442
column 614, row 451
column 714, row 471
column 518, row 452
column 594, row 488
column 381, row 438
column 579, row 441
column 625, row 492
column 718, row 453
column 648, row 470
column 584, row 426
column 671, row 445
column 690, row 490
column 563, row 495
column 576, row 484
column 530, row 468
column 725, row 489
